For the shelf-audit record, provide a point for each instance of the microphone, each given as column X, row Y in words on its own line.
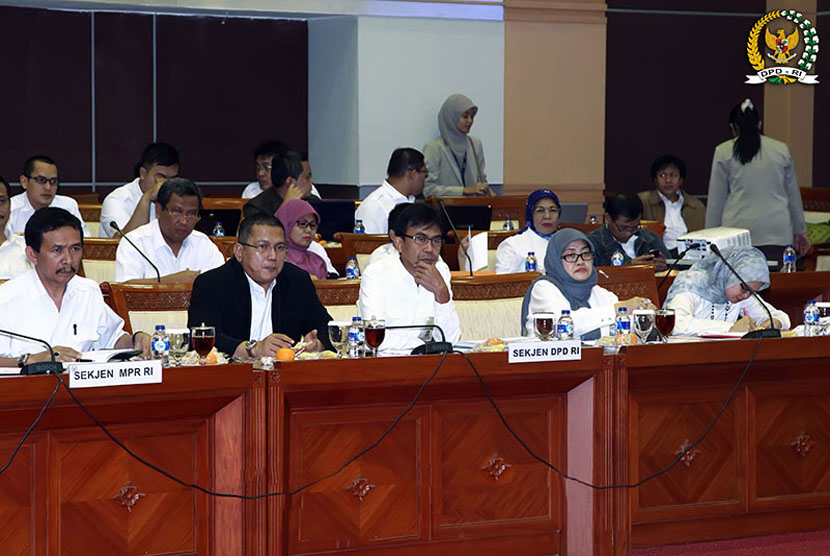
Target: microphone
column 428, row 348
column 41, row 367
column 671, row 268
column 460, row 243
column 114, row 226
column 765, row 332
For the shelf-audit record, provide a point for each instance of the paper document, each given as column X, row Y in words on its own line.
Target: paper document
column 477, row 252
column 101, row 355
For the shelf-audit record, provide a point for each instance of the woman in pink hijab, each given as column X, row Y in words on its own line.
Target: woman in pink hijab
column 301, row 222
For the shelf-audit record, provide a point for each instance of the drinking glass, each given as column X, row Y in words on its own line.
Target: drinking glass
column 203, row 337
column 643, row 323
column 339, row 335
column 543, row 324
column 375, row 332
column 179, row 342
column 665, row 323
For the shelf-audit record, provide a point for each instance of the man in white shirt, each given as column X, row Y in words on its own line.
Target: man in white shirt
column 13, row 260
column 263, row 156
column 40, row 182
column 414, row 288
column 53, row 303
column 406, row 173
column 133, row 204
column 170, row 241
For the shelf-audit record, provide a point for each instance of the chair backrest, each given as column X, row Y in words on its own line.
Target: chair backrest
column 629, row 281
column 339, row 297
column 142, row 306
column 98, row 261
column 91, row 214
column 490, row 306
column 815, row 199
column 361, row 246
column 225, row 245
column 656, row 227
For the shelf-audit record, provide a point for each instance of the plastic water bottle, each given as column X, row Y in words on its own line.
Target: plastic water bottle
column 593, row 219
column 356, row 338
column 530, row 262
column 623, row 323
column 811, row 319
column 508, row 225
column 565, row 326
column 617, row 259
column 789, row 259
column 218, row 230
column 352, row 270
column 161, row 345
column 358, row 227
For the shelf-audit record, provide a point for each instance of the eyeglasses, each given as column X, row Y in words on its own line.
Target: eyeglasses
column 263, row 167
column 746, row 291
column 264, row 248
column 587, row 256
column 627, row 229
column 178, row 214
column 308, row 224
column 541, row 211
column 422, row 239
column 422, row 171
column 43, row 180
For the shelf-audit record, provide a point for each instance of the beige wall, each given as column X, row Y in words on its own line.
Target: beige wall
column 554, row 98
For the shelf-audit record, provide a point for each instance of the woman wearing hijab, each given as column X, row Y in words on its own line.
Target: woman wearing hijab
column 570, row 282
column 753, row 186
column 709, row 299
column 542, row 217
column 301, row 222
column 455, row 161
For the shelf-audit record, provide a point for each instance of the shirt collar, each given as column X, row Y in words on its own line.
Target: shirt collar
column 395, row 193
column 158, row 239
column 256, row 289
column 40, row 289
column 666, row 200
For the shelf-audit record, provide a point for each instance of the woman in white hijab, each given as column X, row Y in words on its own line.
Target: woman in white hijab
column 455, row 161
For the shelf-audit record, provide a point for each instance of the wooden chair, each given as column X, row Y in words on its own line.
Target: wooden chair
column 98, row 261
column 216, row 203
column 225, row 245
column 339, row 297
column 142, row 306
column 503, row 206
column 630, row 280
column 361, row 246
column 815, row 199
column 91, row 214
column 490, row 306
column 86, row 198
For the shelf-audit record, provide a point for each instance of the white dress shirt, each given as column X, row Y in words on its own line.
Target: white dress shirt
column 253, row 189
column 22, row 210
column 600, row 313
column 512, row 252
column 695, row 315
column 385, row 250
column 675, row 225
column 318, row 249
column 389, row 291
column 261, row 304
column 197, row 252
column 13, row 259
column 629, row 247
column 84, row 322
column 374, row 210
column 120, row 205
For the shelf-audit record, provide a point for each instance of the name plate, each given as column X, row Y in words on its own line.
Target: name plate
column 527, row 352
column 120, row 373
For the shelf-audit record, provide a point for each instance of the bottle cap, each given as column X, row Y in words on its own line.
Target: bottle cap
column 566, row 312
column 623, row 310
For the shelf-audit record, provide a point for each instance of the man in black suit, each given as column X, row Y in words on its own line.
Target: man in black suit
column 258, row 302
column 290, row 181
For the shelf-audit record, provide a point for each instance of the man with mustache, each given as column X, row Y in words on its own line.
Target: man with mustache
column 414, row 287
column 52, row 302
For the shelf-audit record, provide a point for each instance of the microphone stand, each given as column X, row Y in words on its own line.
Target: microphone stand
column 460, row 242
column 114, row 226
column 671, row 268
column 770, row 332
column 41, row 367
column 428, row 348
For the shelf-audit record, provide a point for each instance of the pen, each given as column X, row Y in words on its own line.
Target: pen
column 75, row 329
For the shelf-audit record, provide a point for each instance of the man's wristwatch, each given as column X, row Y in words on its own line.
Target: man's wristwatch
column 249, row 347
column 22, row 360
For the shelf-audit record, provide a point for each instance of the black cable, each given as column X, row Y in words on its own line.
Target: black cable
column 172, row 477
column 564, row 475
column 31, row 427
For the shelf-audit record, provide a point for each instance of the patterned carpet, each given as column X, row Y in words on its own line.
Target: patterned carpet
column 814, row 543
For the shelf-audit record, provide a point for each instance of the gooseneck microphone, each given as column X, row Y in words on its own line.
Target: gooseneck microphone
column 672, row 267
column 458, row 237
column 428, row 348
column 41, row 367
column 770, row 332
column 117, row 228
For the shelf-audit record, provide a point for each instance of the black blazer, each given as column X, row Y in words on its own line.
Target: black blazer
column 222, row 298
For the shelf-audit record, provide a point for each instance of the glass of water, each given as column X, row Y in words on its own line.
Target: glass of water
column 339, row 335
column 643, row 323
column 179, row 342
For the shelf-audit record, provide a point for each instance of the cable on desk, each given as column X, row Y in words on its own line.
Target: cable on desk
column 255, row 496
column 642, row 481
column 32, row 426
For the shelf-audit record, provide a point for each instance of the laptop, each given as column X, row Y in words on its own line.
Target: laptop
column 335, row 216
column 210, row 217
column 573, row 213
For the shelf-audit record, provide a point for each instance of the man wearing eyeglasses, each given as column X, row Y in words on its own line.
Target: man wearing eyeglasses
column 621, row 232
column 413, row 288
column 257, row 302
column 405, row 173
column 40, row 182
column 178, row 250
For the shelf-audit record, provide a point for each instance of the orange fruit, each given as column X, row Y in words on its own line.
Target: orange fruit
column 285, row 354
column 211, row 358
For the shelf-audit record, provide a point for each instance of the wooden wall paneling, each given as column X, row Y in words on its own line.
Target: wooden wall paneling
column 225, row 85
column 46, row 97
column 123, row 93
